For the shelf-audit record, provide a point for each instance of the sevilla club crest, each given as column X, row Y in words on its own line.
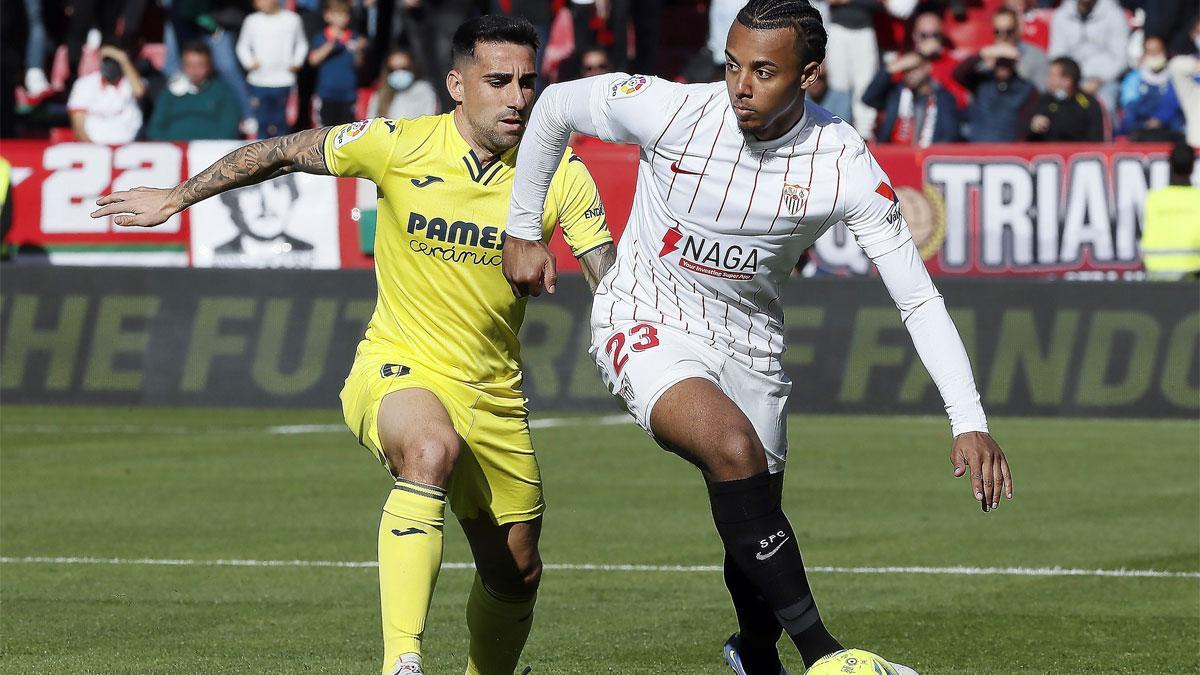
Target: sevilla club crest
column 795, row 196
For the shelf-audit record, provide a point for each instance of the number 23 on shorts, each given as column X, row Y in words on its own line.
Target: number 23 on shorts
column 647, row 338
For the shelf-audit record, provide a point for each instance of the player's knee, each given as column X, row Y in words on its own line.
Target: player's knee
column 739, row 455
column 519, row 579
column 431, row 459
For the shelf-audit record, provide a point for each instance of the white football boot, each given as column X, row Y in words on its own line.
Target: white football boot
column 408, row 664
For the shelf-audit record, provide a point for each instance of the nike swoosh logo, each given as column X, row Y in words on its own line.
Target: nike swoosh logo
column 429, row 180
column 760, row 555
column 411, row 530
column 676, row 169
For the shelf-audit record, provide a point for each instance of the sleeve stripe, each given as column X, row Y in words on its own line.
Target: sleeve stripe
column 593, row 248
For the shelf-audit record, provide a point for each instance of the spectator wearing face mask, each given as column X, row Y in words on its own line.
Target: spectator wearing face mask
column 402, row 94
column 195, row 105
column 1142, row 93
column 916, row 109
column 1065, row 112
column 103, row 106
column 336, row 54
column 1000, row 98
column 1094, row 34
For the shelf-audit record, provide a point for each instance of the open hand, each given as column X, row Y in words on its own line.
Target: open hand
column 978, row 453
column 139, row 207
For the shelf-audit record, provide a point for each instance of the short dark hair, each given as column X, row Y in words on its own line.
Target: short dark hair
column 492, row 28
column 1069, row 68
column 197, row 47
column 344, row 5
column 1182, row 159
column 798, row 15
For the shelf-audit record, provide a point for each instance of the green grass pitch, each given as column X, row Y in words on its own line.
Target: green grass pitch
column 862, row 491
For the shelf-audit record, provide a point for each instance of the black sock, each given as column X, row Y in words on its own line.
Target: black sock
column 761, row 542
column 757, row 626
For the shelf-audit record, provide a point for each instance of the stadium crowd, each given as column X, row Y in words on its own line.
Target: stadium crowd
column 902, row 71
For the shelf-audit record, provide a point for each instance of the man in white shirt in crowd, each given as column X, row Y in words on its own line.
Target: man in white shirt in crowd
column 103, row 106
column 272, row 48
column 735, row 181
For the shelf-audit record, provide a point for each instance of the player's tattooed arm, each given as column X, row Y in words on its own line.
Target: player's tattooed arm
column 250, row 164
column 596, row 262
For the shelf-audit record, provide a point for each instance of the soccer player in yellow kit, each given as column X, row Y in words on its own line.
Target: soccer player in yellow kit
column 434, row 390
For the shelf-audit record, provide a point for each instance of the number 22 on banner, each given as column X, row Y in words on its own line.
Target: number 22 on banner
column 647, row 337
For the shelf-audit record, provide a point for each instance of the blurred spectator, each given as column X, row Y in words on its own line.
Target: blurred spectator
column 1173, row 20
column 1170, row 229
column 402, row 94
column 1034, row 22
column 313, row 20
column 1031, row 60
column 336, row 53
column 216, row 22
column 1093, row 33
column 36, row 48
column 852, row 55
column 929, row 39
column 917, row 110
column 1142, row 94
column 1000, row 99
column 644, row 15
column 103, row 105
column 271, row 48
column 195, row 105
column 1065, row 112
column 430, row 26
column 116, row 20
column 1184, row 92
column 836, row 102
column 594, row 61
column 708, row 64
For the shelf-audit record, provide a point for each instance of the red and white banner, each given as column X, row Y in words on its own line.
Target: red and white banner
column 975, row 210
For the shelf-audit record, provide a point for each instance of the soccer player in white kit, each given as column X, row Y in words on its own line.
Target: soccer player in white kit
column 735, row 181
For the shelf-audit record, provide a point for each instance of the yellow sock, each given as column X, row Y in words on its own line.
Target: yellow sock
column 499, row 626
column 410, row 555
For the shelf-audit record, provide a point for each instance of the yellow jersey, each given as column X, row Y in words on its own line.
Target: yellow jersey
column 443, row 301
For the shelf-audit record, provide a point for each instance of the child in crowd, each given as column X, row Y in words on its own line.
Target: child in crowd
column 336, row 54
column 271, row 48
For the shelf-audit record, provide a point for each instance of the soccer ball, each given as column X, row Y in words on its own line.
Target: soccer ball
column 851, row 662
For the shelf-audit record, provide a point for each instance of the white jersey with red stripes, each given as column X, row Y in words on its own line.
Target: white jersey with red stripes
column 720, row 219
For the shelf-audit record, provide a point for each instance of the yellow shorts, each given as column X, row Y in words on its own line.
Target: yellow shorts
column 497, row 475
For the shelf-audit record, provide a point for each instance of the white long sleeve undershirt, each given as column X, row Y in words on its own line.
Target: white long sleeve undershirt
column 571, row 107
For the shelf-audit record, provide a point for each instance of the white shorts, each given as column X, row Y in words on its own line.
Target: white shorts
column 640, row 360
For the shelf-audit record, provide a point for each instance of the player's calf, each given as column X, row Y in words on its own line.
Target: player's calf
column 759, row 538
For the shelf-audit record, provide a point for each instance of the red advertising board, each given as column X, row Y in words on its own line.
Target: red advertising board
column 975, row 210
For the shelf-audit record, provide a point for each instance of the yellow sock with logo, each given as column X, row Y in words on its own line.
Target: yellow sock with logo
column 499, row 626
column 410, row 556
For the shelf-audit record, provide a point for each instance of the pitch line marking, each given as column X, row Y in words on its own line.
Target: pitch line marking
column 280, row 429
column 597, row 567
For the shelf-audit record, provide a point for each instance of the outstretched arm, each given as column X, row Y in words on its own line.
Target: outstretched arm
column 873, row 216
column 248, row 165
